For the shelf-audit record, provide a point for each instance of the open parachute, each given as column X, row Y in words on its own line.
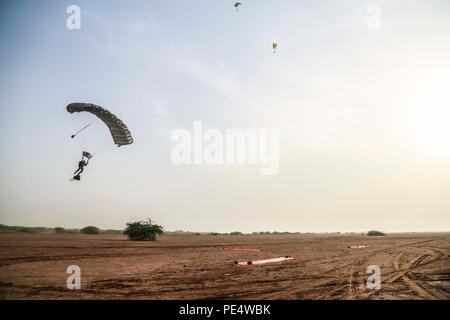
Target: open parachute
column 274, row 46
column 119, row 131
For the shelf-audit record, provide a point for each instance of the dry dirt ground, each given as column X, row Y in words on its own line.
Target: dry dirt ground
column 413, row 266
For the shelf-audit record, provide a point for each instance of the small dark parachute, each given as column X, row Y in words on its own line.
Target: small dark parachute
column 87, row 155
column 274, row 46
column 119, row 131
column 236, row 5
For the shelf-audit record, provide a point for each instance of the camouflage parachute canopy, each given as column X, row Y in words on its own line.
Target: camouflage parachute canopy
column 119, row 131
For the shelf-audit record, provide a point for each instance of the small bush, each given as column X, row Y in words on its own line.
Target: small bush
column 375, row 233
column 5, row 229
column 60, row 230
column 25, row 230
column 90, row 230
column 143, row 231
column 236, row 233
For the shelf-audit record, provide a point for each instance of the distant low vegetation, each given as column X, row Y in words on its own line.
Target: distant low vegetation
column 142, row 227
column 375, row 233
column 143, row 230
column 260, row 233
column 274, row 233
column 21, row 229
column 90, row 230
column 45, row 230
column 61, row 230
column 112, row 231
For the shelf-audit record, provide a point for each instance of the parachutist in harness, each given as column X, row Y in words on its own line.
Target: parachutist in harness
column 119, row 131
column 83, row 163
column 81, row 166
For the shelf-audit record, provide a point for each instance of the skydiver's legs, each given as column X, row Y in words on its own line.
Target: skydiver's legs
column 79, row 170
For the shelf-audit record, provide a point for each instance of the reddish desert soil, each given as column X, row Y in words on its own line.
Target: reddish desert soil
column 413, row 266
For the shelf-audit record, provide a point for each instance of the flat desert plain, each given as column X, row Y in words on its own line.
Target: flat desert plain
column 413, row 266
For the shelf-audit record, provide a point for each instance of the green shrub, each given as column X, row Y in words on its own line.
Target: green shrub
column 25, row 230
column 60, row 230
column 375, row 233
column 143, row 231
column 236, row 233
column 90, row 230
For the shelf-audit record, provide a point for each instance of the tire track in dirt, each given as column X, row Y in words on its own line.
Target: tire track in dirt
column 398, row 271
column 353, row 282
column 421, row 288
column 357, row 266
column 336, row 286
column 398, row 266
column 19, row 260
column 402, row 271
column 329, row 273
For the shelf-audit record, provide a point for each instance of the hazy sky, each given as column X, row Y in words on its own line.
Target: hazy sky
column 363, row 113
